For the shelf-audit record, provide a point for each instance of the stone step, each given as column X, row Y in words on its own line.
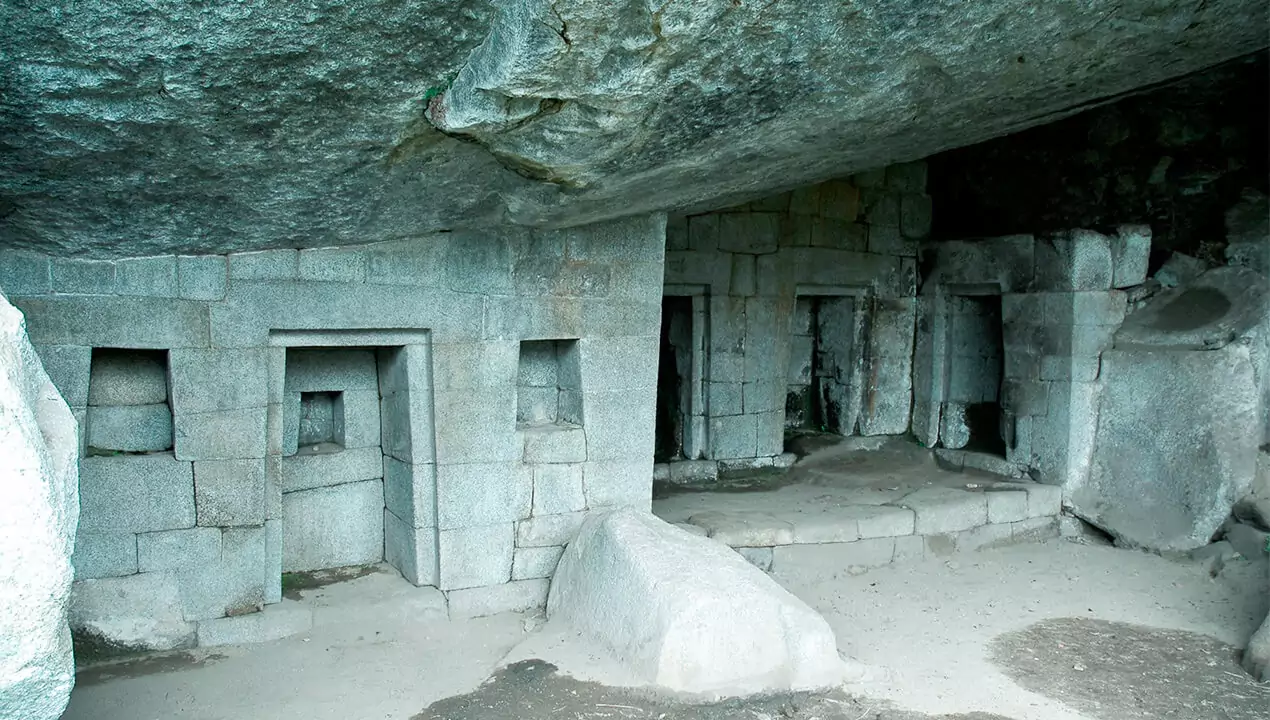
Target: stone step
column 932, row 521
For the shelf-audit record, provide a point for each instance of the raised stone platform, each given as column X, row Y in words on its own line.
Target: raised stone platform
column 865, row 508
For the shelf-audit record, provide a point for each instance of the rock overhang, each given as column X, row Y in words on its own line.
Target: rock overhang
column 135, row 128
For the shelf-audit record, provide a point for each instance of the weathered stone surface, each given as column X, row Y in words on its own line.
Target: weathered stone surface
column 130, row 428
column 38, row 510
column 621, row 110
column 136, row 493
column 517, row 596
column 687, row 613
column 1205, row 313
column 1175, row 448
column 123, row 377
column 333, row 526
column 138, row 612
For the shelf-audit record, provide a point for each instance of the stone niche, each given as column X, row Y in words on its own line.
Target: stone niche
column 352, row 468
column 129, row 410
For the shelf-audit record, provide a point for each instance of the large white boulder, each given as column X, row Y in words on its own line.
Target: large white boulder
column 39, row 508
column 687, row 613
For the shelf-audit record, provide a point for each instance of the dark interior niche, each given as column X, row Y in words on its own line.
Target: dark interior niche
column 1176, row 157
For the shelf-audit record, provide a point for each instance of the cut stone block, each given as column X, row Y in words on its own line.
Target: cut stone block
column 82, row 277
column 693, row 471
column 482, row 494
column 476, row 556
column 332, row 264
column 1074, row 260
column 619, row 483
column 519, row 596
column 946, row 510
column 135, row 613
column 1044, row 500
column 535, row 562
column 229, row 492
column 24, row 274
column 146, row 276
column 744, row 529
column 232, row 585
column 1130, row 253
column 881, row 520
column 202, row 277
column 686, row 613
column 620, row 424
column 548, row 530
column 123, row 377
column 413, row 551
column 333, row 526
column 272, row 567
column 361, row 424
column 130, row 428
column 874, row 552
column 476, row 425
column 273, row 623
column 211, row 380
column 154, row 323
column 178, row 549
column 68, row 366
column 558, row 489
column 554, row 444
column 410, row 492
column 1006, row 504
column 265, row 265
column 318, row 468
column 1035, row 529
column 135, row 493
column 333, row 369
column 224, row 435
column 101, row 555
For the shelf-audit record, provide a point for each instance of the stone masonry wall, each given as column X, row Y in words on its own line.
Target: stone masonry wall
column 429, row 445
column 1062, row 298
column 856, row 237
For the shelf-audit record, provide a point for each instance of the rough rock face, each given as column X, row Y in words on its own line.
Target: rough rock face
column 133, row 127
column 687, row 613
column 1181, row 414
column 39, row 507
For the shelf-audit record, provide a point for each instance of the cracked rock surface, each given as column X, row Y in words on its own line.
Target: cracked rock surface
column 135, row 127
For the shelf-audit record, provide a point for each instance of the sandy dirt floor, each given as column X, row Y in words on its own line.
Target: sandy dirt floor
column 1057, row 631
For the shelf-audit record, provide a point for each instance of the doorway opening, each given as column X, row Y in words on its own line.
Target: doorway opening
column 821, row 383
column 674, row 379
column 976, row 363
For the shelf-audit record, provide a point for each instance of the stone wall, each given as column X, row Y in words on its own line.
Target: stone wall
column 1062, row 298
column 852, row 239
column 337, row 406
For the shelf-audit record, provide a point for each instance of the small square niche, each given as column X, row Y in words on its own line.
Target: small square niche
column 549, row 384
column 321, row 420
